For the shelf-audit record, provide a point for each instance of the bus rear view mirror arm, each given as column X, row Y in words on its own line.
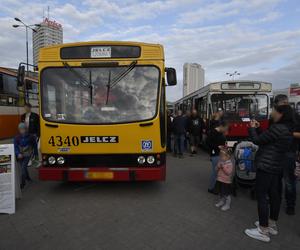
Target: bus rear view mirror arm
column 21, row 73
column 171, row 76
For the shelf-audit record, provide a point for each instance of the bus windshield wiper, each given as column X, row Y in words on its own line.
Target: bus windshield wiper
column 84, row 81
column 118, row 78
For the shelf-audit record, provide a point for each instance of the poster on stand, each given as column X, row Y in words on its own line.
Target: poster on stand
column 7, row 179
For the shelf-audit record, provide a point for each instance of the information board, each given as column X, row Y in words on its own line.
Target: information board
column 7, row 179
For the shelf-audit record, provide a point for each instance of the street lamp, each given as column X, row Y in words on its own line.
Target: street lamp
column 235, row 73
column 26, row 27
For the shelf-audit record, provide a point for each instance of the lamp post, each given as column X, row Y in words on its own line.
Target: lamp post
column 26, row 28
column 235, row 73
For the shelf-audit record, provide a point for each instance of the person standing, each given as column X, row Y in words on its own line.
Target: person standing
column 179, row 129
column 187, row 138
column 25, row 145
column 31, row 120
column 217, row 119
column 169, row 131
column 216, row 138
column 195, row 127
column 290, row 180
column 224, row 179
column 273, row 144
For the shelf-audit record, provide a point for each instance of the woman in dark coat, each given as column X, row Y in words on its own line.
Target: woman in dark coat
column 273, row 144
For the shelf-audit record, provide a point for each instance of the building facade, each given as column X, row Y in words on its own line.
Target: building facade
column 49, row 33
column 193, row 77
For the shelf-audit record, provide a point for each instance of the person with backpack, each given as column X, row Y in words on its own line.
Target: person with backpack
column 25, row 146
column 195, row 127
column 273, row 144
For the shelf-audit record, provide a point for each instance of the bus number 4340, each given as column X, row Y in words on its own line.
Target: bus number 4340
column 60, row 141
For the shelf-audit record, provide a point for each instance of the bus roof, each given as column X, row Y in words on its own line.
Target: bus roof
column 217, row 87
column 148, row 51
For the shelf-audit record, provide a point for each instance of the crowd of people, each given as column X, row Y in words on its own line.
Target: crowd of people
column 275, row 160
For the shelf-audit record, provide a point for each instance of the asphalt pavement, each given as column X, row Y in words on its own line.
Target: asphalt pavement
column 176, row 214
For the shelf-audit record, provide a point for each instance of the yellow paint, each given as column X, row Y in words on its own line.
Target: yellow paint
column 130, row 134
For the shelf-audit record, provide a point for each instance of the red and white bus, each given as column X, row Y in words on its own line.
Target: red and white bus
column 12, row 100
column 240, row 100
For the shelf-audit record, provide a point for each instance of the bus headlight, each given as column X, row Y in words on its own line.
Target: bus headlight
column 51, row 160
column 150, row 159
column 141, row 159
column 60, row 160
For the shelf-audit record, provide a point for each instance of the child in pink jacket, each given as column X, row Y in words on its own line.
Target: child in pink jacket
column 224, row 178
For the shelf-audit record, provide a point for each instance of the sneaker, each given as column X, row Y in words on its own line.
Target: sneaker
column 258, row 234
column 220, row 203
column 271, row 229
column 290, row 211
column 225, row 207
column 227, row 203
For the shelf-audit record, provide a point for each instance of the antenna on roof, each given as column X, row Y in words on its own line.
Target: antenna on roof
column 48, row 11
column 43, row 13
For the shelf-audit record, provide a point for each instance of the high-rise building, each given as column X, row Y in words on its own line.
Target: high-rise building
column 50, row 32
column 193, row 77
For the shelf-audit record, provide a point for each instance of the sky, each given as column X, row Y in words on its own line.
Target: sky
column 258, row 38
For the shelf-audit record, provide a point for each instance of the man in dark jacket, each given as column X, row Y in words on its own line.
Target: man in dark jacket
column 195, row 127
column 32, row 120
column 169, row 130
column 290, row 179
column 179, row 130
column 273, row 144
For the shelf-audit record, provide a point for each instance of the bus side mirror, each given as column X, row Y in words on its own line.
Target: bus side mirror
column 171, row 76
column 21, row 75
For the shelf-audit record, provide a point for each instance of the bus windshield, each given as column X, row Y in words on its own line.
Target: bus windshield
column 86, row 96
column 241, row 106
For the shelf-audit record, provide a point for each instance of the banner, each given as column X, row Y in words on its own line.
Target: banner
column 7, row 179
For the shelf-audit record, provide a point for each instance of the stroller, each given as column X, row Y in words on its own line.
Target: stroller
column 245, row 171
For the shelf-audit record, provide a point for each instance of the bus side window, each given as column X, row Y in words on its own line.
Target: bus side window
column 9, row 95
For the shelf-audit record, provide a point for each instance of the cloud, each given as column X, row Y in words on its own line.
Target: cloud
column 221, row 35
column 281, row 77
column 221, row 9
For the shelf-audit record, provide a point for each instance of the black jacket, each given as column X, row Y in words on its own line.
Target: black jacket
column 169, row 125
column 179, row 125
column 195, row 125
column 273, row 144
column 214, row 140
column 34, row 123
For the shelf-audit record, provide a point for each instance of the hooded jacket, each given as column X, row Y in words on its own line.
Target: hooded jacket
column 273, row 144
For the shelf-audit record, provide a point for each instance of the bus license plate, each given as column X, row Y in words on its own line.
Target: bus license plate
column 100, row 175
column 100, row 52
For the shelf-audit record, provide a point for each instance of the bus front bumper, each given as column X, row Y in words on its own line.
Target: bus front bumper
column 102, row 174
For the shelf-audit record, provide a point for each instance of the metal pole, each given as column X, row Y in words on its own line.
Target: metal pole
column 27, row 49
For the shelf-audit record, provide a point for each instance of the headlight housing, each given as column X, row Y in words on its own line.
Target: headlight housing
column 150, row 159
column 141, row 159
column 60, row 160
column 51, row 160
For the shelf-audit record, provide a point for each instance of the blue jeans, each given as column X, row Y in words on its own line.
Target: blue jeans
column 25, row 175
column 213, row 177
column 179, row 144
column 290, row 180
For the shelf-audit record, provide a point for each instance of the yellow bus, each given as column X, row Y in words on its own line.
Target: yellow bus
column 103, row 111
